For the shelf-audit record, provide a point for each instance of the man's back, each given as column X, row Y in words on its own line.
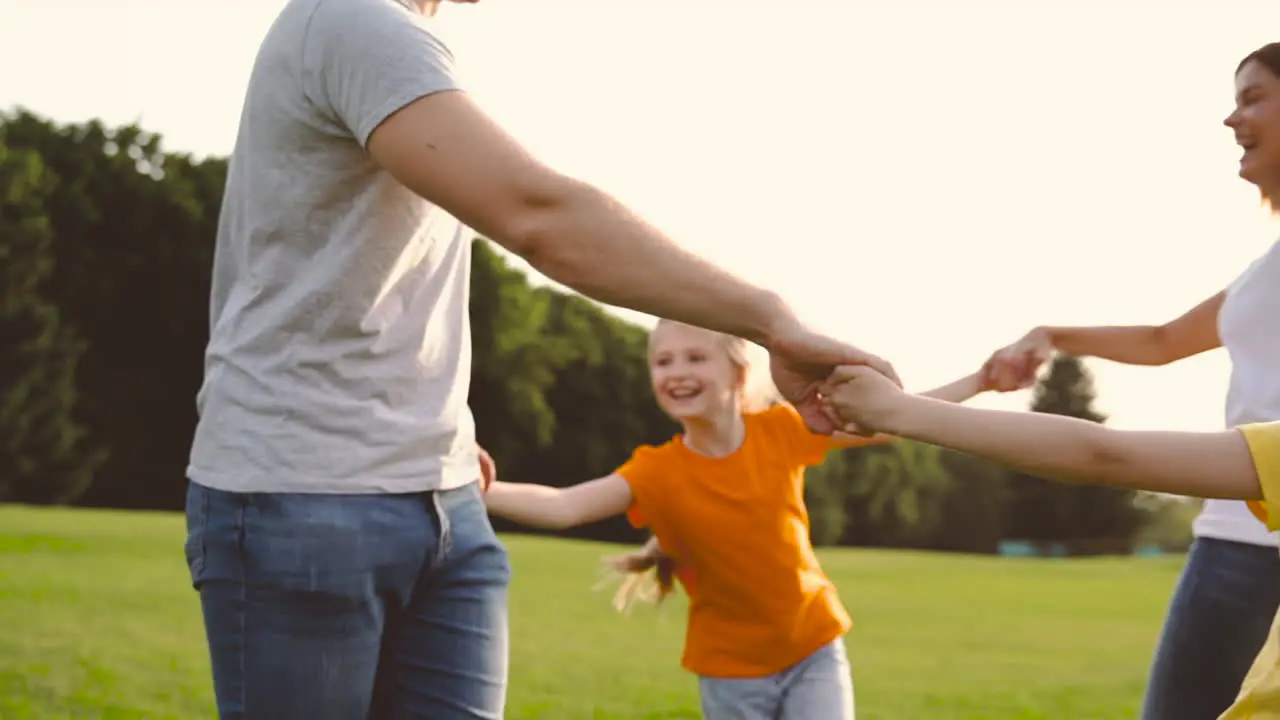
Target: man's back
column 339, row 353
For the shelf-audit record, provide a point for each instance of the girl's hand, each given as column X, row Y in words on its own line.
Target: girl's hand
column 861, row 398
column 647, row 574
column 627, row 563
column 637, row 561
column 488, row 469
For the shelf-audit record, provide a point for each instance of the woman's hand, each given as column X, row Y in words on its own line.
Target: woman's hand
column 1014, row 366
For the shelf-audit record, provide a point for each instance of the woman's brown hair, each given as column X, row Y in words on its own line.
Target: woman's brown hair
column 1268, row 56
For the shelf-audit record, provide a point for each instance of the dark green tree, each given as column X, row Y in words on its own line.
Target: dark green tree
column 132, row 230
column 515, row 359
column 43, row 454
column 893, row 494
column 902, row 491
column 827, row 489
column 972, row 513
column 1042, row 510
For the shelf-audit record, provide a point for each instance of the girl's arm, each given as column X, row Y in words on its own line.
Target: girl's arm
column 1210, row 465
column 559, row 508
column 1199, row 464
column 958, row 391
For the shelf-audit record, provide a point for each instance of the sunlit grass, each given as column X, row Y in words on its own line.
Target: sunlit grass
column 98, row 620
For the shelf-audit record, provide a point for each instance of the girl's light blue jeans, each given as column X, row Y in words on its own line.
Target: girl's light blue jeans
column 820, row 686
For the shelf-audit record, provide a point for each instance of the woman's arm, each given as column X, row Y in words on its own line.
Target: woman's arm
column 559, row 508
column 1191, row 333
column 1210, row 465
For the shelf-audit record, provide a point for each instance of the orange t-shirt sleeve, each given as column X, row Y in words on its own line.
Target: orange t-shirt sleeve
column 641, row 472
column 808, row 447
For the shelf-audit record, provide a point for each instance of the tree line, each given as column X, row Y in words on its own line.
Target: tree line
column 106, row 242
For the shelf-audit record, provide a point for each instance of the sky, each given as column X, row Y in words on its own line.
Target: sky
column 927, row 180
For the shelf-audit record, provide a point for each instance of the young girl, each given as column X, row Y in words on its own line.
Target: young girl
column 725, row 500
column 1238, row 464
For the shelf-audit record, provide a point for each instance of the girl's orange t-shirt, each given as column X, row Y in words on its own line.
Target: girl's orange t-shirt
column 758, row 600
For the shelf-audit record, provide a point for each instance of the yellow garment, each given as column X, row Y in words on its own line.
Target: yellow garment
column 1259, row 697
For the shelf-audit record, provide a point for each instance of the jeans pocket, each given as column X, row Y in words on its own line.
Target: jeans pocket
column 471, row 536
column 197, row 523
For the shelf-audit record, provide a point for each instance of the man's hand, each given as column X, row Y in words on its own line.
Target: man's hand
column 861, row 397
column 488, row 469
column 801, row 361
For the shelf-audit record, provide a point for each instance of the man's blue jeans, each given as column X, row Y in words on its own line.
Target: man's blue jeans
column 1218, row 619
column 351, row 606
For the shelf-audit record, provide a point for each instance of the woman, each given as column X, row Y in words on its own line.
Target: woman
column 1230, row 587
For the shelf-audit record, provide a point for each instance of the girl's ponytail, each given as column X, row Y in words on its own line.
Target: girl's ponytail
column 648, row 575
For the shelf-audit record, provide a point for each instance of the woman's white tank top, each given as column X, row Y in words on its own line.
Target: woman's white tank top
column 1249, row 326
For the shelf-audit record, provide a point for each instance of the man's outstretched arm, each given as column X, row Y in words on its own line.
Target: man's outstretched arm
column 447, row 150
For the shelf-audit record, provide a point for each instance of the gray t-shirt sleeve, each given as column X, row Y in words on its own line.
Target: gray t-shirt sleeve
column 366, row 59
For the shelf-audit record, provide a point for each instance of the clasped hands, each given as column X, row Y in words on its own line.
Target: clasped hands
column 859, row 400
column 837, row 387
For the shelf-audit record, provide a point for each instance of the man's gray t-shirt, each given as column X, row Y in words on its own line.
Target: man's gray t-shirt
column 339, row 357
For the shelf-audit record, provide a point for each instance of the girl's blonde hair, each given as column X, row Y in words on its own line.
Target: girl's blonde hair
column 647, row 575
column 751, row 361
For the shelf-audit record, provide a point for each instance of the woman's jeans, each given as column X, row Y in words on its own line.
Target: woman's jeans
column 347, row 607
column 1218, row 619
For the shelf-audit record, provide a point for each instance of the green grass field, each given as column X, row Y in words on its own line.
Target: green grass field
column 97, row 620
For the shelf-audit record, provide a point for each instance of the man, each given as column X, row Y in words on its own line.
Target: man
column 337, row 536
